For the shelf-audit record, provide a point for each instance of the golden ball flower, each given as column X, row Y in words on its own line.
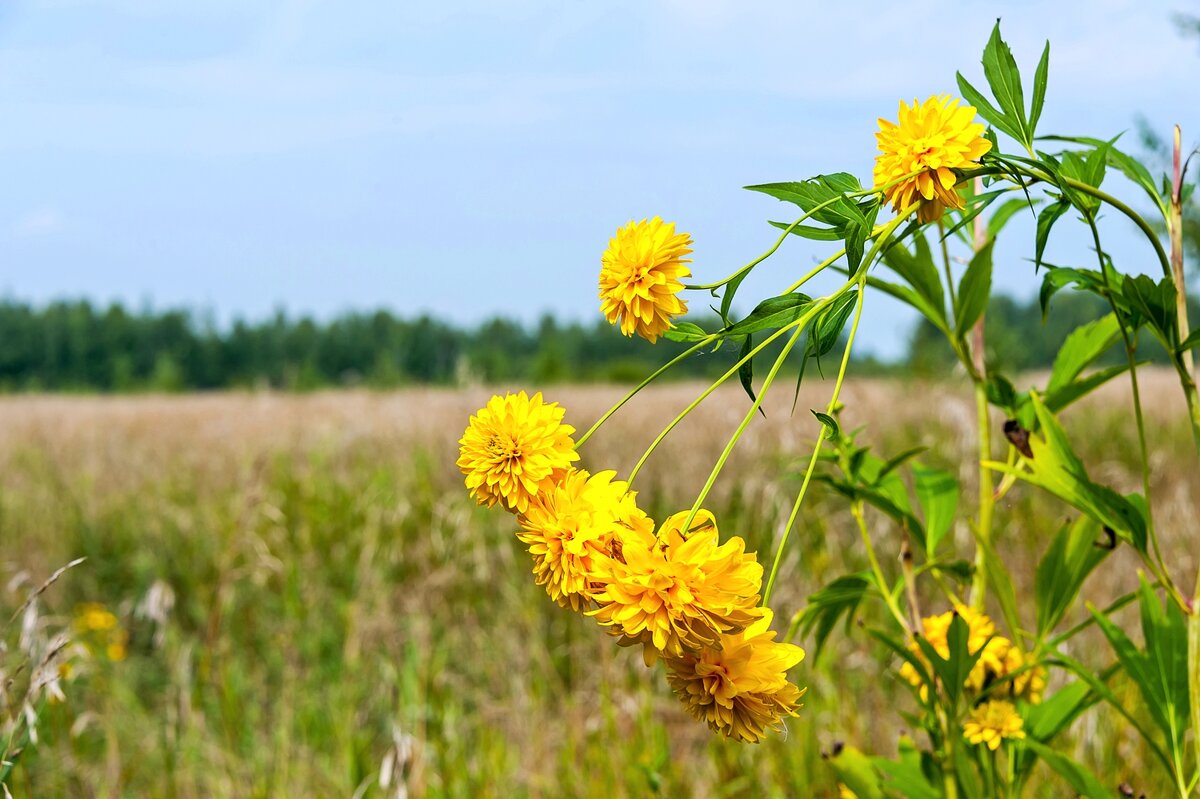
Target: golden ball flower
column 641, row 276
column 513, row 448
column 992, row 722
column 930, row 141
column 680, row 591
column 573, row 525
column 740, row 687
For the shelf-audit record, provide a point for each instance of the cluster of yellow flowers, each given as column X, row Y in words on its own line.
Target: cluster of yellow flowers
column 683, row 595
column 1001, row 673
column 99, row 631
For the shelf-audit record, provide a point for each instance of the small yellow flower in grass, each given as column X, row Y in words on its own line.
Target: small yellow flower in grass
column 514, row 447
column 932, row 139
column 936, row 629
column 640, row 277
column 569, row 527
column 739, row 688
column 680, row 591
column 991, row 722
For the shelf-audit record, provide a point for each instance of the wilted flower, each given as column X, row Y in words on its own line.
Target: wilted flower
column 932, row 139
column 578, row 521
column 679, row 592
column 991, row 722
column 640, row 277
column 740, row 687
column 513, row 448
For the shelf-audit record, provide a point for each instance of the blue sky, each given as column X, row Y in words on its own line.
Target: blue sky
column 470, row 159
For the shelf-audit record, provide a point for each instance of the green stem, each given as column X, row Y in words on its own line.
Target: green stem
column 816, row 453
column 803, row 320
column 653, row 376
column 987, row 499
column 741, row 428
column 946, row 263
column 1104, row 197
column 889, row 599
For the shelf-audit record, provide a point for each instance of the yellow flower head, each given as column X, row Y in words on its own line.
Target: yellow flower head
column 97, row 629
column 640, row 276
column 999, row 660
column 932, row 139
column 991, row 722
column 739, row 688
column 514, row 447
column 580, row 520
column 681, row 591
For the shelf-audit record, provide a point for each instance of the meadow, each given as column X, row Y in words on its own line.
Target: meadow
column 313, row 606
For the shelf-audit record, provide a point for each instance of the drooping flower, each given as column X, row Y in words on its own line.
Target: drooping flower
column 580, row 520
column 681, row 590
column 740, row 687
column 513, row 448
column 640, row 277
column 932, row 139
column 991, row 722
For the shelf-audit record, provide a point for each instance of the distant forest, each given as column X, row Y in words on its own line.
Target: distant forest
column 76, row 346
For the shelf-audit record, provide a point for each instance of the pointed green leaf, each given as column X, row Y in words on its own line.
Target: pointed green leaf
column 832, row 431
column 1045, row 221
column 1084, row 345
column 937, row 493
column 773, row 313
column 1039, row 90
column 987, row 110
column 1000, row 69
column 685, row 332
column 825, row 607
column 1070, row 558
column 974, row 289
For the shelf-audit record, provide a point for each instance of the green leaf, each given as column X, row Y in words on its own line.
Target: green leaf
column 826, row 606
column 974, row 289
column 919, row 271
column 746, row 370
column 1039, row 90
column 810, row 232
column 1160, row 672
column 906, row 777
column 828, row 327
column 937, row 493
column 832, row 431
column 1055, row 468
column 1000, row 391
column 685, row 332
column 1047, row 719
column 811, row 194
column 1045, row 221
column 1193, row 340
column 771, row 314
column 1060, row 398
column 855, row 771
column 1000, row 69
column 987, row 110
column 1070, row 558
column 1129, row 166
column 952, row 670
column 937, row 316
column 1084, row 345
column 1079, row 778
column 1155, row 301
column 1004, row 213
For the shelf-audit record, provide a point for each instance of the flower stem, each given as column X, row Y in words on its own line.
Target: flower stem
column 885, row 590
column 987, row 499
column 653, row 376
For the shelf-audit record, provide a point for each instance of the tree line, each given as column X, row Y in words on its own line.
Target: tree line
column 78, row 346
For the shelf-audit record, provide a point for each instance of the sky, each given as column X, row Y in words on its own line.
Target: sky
column 469, row 159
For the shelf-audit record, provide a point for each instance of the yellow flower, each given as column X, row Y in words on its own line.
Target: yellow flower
column 932, row 139
column 513, row 448
column 681, row 591
column 991, row 722
column 640, row 276
column 580, row 520
column 739, row 688
column 1000, row 659
column 93, row 617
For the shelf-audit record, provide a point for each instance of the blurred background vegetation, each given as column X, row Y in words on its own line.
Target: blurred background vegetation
column 78, row 346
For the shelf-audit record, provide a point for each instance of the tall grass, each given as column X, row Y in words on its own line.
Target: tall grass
column 316, row 609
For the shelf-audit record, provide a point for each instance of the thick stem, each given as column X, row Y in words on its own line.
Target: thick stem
column 987, row 500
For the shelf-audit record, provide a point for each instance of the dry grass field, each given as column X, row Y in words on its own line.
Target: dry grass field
column 314, row 608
